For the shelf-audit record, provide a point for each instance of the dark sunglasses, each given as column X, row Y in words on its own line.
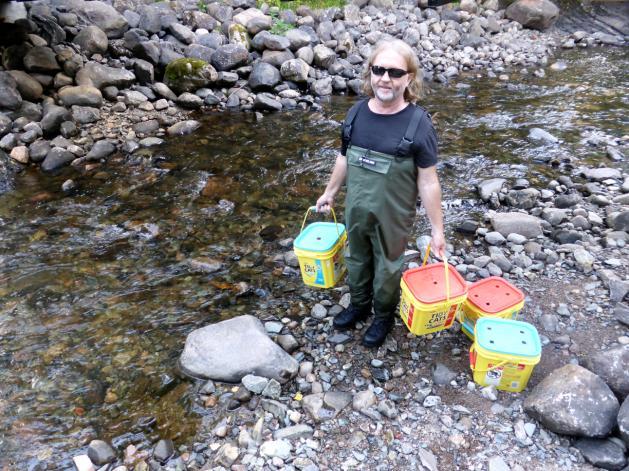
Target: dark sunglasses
column 393, row 72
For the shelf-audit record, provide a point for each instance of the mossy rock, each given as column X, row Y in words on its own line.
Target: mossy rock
column 237, row 34
column 188, row 74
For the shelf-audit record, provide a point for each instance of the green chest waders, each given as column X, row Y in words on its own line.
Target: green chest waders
column 379, row 215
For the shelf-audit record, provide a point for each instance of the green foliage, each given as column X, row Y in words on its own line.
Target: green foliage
column 202, row 6
column 183, row 67
column 280, row 27
column 294, row 4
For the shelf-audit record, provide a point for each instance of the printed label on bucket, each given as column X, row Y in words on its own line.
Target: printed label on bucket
column 313, row 272
column 509, row 375
column 406, row 309
column 442, row 318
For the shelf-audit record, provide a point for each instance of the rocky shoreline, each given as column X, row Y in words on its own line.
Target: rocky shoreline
column 82, row 81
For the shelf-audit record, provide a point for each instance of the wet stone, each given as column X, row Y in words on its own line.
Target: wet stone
column 100, row 452
column 339, row 338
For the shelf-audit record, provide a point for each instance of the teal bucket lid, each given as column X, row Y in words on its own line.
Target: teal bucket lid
column 506, row 336
column 319, row 236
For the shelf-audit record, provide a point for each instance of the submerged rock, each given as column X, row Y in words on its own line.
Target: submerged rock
column 229, row 350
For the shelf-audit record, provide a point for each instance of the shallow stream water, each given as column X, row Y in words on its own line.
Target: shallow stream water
column 97, row 292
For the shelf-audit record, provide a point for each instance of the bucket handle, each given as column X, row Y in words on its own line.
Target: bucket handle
column 314, row 208
column 491, row 368
column 445, row 266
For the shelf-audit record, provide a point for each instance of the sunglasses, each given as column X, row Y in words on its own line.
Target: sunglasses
column 393, row 72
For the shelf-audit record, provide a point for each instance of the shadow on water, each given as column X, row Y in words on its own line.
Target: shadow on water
column 99, row 290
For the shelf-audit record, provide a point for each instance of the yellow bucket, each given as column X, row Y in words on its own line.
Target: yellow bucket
column 504, row 353
column 492, row 297
column 320, row 251
column 431, row 297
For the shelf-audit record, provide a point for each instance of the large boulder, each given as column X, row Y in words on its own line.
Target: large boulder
column 101, row 76
column 188, row 75
column 96, row 13
column 573, row 401
column 612, row 366
column 92, row 40
column 518, row 223
column 295, row 70
column 605, row 454
column 535, row 14
column 83, row 95
column 29, row 88
column 263, row 76
column 230, row 56
column 41, row 59
column 10, row 97
column 231, row 349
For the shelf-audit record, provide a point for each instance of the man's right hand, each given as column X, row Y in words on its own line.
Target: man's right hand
column 325, row 203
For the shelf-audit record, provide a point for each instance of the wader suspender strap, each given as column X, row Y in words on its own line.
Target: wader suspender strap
column 404, row 147
column 349, row 121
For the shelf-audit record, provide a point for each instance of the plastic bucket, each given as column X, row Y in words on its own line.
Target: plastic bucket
column 320, row 251
column 504, row 353
column 492, row 297
column 431, row 297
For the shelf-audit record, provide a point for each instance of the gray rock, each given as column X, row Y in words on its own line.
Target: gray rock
column 183, row 128
column 388, row 409
column 144, row 71
column 621, row 222
column 277, row 58
column 29, row 88
column 273, row 389
column 211, row 40
column 276, row 448
column 277, row 409
column 150, row 19
column 604, row 454
column 38, row 150
column 567, row 201
column 573, row 401
column 100, row 76
column 100, row 150
column 133, row 98
column 53, row 117
column 294, row 432
column 85, row 114
column 621, row 312
column 8, row 142
column 163, row 90
column 295, row 70
column 10, row 97
column 182, row 33
column 56, row 159
column 189, row 100
column 537, row 134
column 494, row 238
column 148, row 50
column 151, row 142
column 83, row 95
column 255, row 384
column 275, row 42
column 199, row 51
column 518, row 223
column 324, row 57
column 612, row 365
column 600, row 174
column 230, row 56
column 229, row 350
column 163, row 450
column 442, row 375
column 363, row 400
column 487, row 187
column 496, row 463
column 266, row 102
column 92, row 40
column 226, row 455
column 623, row 421
column 288, row 342
column 41, row 59
column 5, row 124
column 584, row 260
column 100, row 452
column 524, row 199
column 97, row 13
column 220, row 12
column 535, row 14
column 297, row 38
column 259, row 23
column 263, row 76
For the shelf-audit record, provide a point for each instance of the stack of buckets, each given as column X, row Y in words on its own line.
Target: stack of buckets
column 504, row 351
column 320, row 251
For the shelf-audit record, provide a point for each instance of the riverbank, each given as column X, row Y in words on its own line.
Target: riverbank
column 84, row 82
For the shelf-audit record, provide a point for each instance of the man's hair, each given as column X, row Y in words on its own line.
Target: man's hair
column 414, row 89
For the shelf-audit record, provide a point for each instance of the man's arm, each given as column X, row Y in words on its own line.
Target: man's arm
column 326, row 200
column 430, row 193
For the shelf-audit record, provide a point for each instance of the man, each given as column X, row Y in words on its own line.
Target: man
column 388, row 156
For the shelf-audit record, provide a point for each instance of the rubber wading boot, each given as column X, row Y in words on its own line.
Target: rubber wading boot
column 350, row 315
column 377, row 331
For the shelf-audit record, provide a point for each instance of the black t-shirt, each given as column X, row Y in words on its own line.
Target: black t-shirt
column 383, row 133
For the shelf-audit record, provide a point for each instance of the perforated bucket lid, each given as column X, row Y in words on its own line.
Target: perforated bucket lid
column 494, row 294
column 319, row 237
column 428, row 283
column 508, row 337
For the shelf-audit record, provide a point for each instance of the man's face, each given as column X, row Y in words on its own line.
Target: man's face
column 388, row 89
